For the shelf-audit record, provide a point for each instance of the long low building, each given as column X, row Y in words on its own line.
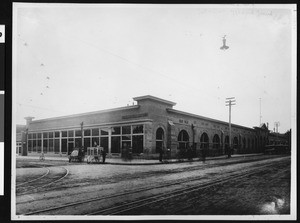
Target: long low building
column 146, row 127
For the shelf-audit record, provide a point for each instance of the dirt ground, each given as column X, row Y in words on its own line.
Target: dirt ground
column 264, row 193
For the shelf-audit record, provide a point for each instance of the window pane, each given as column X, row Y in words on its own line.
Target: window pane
column 95, row 132
column 39, row 135
column 51, row 146
column 45, row 135
column 137, row 129
column 39, row 146
column 30, row 136
column 87, row 132
column 104, row 132
column 104, row 143
column 50, row 134
column 126, row 130
column 34, row 135
column 78, row 142
column 137, row 144
column 29, row 146
column 34, row 146
column 64, row 134
column 116, row 130
column 126, row 138
column 115, row 144
column 87, row 143
column 64, row 145
column 71, row 133
column 95, row 140
column 78, row 133
column 45, row 145
column 56, row 146
column 56, row 134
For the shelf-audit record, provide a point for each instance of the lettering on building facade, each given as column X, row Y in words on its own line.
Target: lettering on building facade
column 135, row 116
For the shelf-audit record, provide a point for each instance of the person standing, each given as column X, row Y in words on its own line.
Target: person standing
column 160, row 150
column 103, row 155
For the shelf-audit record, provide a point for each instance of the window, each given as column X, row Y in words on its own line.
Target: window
column 56, row 134
column 64, row 145
column 137, row 144
column 204, row 140
column 77, row 133
column 56, row 146
column 45, row 135
column 126, row 130
column 71, row 133
column 51, row 146
column 29, row 146
column 104, row 143
column 115, row 144
column 183, row 139
column 95, row 132
column 45, row 145
column 104, row 132
column 95, row 140
column 34, row 146
column 64, row 134
column 137, row 129
column 159, row 139
column 87, row 132
column 116, row 130
column 50, row 134
column 216, row 141
column 78, row 142
column 87, row 143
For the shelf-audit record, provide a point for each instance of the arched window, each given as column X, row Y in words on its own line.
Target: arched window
column 235, row 142
column 159, row 139
column 244, row 143
column 204, row 141
column 216, row 142
column 183, row 139
column 226, row 141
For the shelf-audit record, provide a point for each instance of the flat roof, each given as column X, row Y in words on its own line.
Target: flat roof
column 88, row 113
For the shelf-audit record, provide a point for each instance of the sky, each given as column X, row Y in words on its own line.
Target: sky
column 70, row 59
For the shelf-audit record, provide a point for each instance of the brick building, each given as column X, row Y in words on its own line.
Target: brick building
column 151, row 124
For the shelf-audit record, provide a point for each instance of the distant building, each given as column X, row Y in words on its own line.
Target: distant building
column 146, row 127
column 21, row 140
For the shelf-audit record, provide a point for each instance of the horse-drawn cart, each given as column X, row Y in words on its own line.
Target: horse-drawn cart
column 94, row 154
column 77, row 155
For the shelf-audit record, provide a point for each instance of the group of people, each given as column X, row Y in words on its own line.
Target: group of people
column 102, row 152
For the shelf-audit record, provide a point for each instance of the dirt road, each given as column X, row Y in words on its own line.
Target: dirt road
column 90, row 189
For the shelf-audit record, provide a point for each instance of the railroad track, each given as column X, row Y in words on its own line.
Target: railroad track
column 52, row 176
column 140, row 202
column 35, row 179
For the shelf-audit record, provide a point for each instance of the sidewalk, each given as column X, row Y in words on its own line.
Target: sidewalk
column 119, row 161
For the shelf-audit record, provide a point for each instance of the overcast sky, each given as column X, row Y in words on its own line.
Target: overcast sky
column 70, row 59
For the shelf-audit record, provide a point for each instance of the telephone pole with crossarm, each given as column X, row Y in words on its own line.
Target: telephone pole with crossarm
column 229, row 102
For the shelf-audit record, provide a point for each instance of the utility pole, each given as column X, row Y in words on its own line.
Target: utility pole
column 230, row 102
